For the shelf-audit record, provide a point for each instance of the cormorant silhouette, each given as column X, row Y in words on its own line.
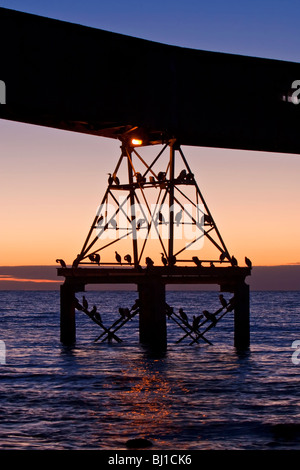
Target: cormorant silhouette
column 164, row 260
column 248, row 262
column 149, row 262
column 161, row 218
column 161, row 176
column 116, row 179
column 100, row 220
column 140, row 179
column 234, row 261
column 169, row 310
column 210, row 316
column 196, row 321
column 127, row 258
column 93, row 311
column 85, row 303
column 178, row 217
column 139, row 223
column 208, row 219
column 122, row 312
column 197, row 261
column 61, row 262
column 222, row 256
column 181, row 177
column 95, row 314
column 110, row 179
column 189, row 177
column 183, row 315
column 222, row 300
column 95, row 258
column 118, row 257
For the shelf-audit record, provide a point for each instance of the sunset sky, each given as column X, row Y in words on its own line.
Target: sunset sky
column 52, row 181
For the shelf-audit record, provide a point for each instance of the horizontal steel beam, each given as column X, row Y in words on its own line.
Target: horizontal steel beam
column 163, row 274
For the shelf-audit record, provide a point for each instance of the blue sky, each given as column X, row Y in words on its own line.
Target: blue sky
column 265, row 28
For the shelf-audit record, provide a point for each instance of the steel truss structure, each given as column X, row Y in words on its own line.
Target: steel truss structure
column 160, row 200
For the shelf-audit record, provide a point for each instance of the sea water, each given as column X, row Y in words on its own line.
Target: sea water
column 97, row 395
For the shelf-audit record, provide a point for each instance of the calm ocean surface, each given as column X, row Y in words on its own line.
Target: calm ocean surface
column 98, row 395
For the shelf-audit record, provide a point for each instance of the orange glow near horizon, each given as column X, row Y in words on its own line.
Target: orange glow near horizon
column 52, row 182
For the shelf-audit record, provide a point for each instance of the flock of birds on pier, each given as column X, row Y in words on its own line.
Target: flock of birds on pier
column 191, row 328
column 183, row 177
column 95, row 259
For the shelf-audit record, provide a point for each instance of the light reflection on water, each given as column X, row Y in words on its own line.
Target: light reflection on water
column 99, row 395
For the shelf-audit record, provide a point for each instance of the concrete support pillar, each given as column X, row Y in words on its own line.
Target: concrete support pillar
column 67, row 314
column 242, row 316
column 152, row 316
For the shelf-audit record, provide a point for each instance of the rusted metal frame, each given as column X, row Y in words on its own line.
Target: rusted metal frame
column 206, row 207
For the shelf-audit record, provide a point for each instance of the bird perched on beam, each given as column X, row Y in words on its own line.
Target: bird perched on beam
column 178, row 217
column 149, row 262
column 110, row 179
column 197, row 261
column 95, row 258
column 118, row 257
column 161, row 176
column 210, row 316
column 248, row 262
column 183, row 316
column 127, row 258
column 61, row 262
column 85, row 303
column 196, row 321
column 234, row 261
column 116, row 179
column 161, row 218
column 181, row 177
column 223, row 301
column 164, row 260
column 222, row 256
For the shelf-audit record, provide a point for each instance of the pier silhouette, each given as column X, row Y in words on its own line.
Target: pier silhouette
column 173, row 104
